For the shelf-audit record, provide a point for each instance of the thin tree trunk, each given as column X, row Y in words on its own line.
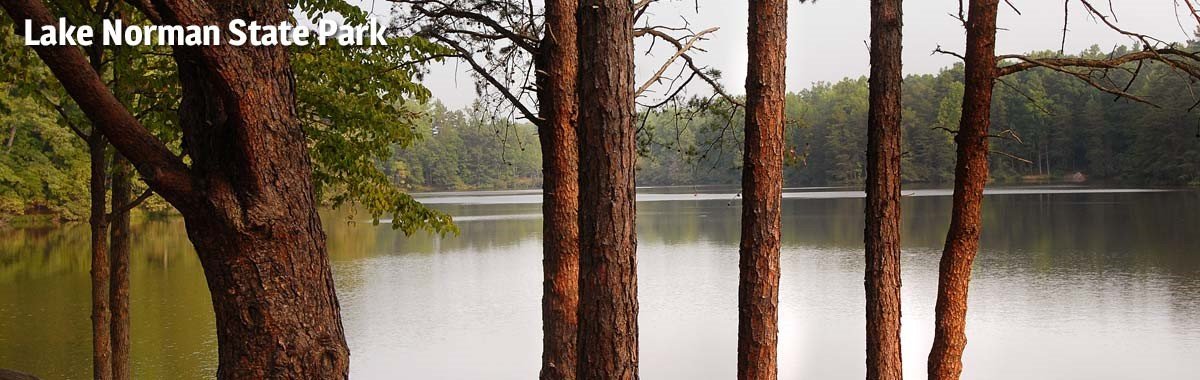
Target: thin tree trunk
column 762, row 189
column 559, row 107
column 101, row 276
column 970, row 176
column 608, row 308
column 119, row 249
column 1037, row 147
column 12, row 136
column 882, row 233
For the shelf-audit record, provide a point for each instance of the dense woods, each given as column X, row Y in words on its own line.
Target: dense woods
column 1067, row 128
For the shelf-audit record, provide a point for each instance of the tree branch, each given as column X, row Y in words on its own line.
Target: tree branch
column 467, row 56
column 163, row 171
column 683, row 49
column 691, row 64
column 132, row 204
column 525, row 42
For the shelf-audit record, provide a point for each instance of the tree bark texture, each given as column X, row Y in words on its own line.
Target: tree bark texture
column 247, row 198
column 882, row 235
column 119, row 249
column 608, row 308
column 762, row 190
column 557, row 63
column 101, row 275
column 970, row 176
column 258, row 234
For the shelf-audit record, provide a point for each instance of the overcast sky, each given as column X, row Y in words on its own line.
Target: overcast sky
column 827, row 41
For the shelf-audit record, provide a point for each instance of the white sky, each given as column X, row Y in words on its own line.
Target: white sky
column 827, row 40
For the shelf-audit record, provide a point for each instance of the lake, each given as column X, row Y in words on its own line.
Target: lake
column 1070, row 283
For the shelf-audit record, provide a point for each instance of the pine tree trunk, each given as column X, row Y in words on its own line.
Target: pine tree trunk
column 882, row 233
column 247, row 197
column 608, row 308
column 762, row 190
column 557, row 62
column 119, row 249
column 101, row 276
column 970, row 176
column 258, row 234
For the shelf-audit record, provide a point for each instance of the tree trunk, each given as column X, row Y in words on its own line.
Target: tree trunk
column 101, row 311
column 119, row 248
column 608, row 308
column 762, row 190
column 258, row 235
column 12, row 136
column 970, row 176
column 882, row 233
column 557, row 62
column 247, row 199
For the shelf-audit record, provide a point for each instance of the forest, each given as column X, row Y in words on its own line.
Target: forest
column 1062, row 131
column 248, row 150
column 1060, row 128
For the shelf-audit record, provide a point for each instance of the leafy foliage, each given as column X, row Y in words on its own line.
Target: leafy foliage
column 355, row 105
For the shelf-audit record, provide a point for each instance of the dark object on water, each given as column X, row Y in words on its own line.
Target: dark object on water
column 14, row 375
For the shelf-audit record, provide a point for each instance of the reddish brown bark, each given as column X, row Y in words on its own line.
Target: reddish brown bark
column 101, row 275
column 258, row 233
column 762, row 190
column 608, row 308
column 882, row 235
column 247, row 199
column 119, row 249
column 557, row 62
column 970, row 176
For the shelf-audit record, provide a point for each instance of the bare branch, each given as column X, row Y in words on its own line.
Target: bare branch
column 679, row 53
column 939, row 50
column 133, row 203
column 1005, row 154
column 524, row 41
column 483, row 72
column 691, row 63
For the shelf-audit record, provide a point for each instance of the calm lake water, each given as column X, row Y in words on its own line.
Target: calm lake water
column 1071, row 283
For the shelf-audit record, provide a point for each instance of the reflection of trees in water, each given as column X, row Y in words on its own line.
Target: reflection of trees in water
column 1107, row 250
column 44, row 272
column 483, row 228
column 1071, row 232
column 56, row 251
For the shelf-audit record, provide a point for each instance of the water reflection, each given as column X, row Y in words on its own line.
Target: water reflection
column 1071, row 283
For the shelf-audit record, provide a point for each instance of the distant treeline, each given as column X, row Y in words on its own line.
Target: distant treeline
column 1048, row 127
column 465, row 150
